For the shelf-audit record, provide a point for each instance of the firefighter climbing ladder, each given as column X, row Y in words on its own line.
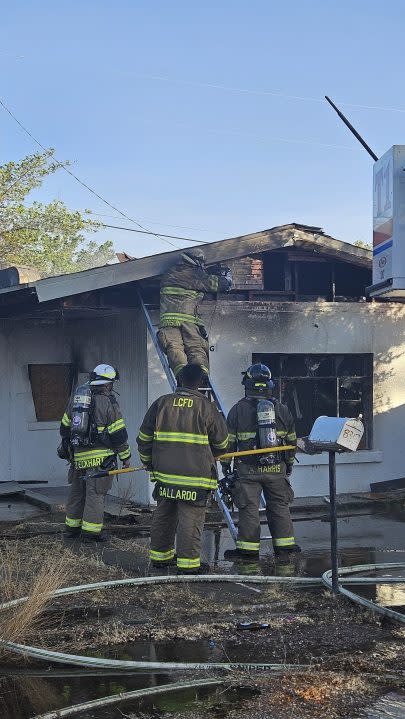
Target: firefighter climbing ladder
column 173, row 384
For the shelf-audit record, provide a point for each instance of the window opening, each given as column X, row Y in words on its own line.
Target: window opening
column 314, row 385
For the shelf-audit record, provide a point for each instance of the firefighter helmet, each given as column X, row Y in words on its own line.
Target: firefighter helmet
column 103, row 374
column 257, row 380
column 196, row 258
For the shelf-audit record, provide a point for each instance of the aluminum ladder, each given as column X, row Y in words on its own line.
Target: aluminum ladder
column 173, row 384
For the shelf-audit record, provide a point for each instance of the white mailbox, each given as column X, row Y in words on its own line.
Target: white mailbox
column 336, row 434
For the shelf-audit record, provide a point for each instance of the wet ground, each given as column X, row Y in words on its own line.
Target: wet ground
column 370, row 538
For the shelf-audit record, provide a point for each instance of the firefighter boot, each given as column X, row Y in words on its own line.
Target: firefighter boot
column 71, row 532
column 94, row 537
column 233, row 555
column 202, row 569
column 165, row 565
column 284, row 555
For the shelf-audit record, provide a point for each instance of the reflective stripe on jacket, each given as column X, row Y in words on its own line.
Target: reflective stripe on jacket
column 242, row 427
column 182, row 290
column 179, row 438
column 112, row 436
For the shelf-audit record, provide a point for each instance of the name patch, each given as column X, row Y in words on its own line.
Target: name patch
column 184, row 495
column 86, row 463
column 270, row 468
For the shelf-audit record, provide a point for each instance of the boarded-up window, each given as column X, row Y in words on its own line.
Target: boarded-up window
column 51, row 385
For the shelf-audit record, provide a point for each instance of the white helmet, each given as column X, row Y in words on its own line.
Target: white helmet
column 103, row 374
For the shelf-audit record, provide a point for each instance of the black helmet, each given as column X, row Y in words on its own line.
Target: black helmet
column 193, row 257
column 257, row 381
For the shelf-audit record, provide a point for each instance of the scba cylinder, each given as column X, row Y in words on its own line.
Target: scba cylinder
column 266, row 422
column 81, row 415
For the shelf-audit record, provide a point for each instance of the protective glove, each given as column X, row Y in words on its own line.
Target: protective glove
column 226, row 468
column 126, row 464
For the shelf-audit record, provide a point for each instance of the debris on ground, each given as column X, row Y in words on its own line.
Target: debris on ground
column 353, row 656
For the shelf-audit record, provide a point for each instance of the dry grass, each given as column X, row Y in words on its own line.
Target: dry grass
column 22, row 694
column 130, row 545
column 18, row 623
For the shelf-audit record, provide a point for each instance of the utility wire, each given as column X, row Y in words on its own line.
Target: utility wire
column 146, row 232
column 84, row 184
column 271, row 93
column 101, row 224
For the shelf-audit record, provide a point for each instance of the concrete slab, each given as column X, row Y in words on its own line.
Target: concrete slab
column 14, row 510
column 58, row 496
column 9, row 488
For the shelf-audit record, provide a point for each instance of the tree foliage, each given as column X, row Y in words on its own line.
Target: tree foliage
column 363, row 245
column 48, row 237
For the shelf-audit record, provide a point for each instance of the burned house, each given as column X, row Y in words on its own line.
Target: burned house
column 298, row 303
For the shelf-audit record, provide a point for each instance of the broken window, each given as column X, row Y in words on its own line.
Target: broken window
column 303, row 275
column 51, row 386
column 333, row 385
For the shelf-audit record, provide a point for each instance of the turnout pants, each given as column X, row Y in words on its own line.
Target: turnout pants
column 85, row 504
column 278, row 495
column 184, row 345
column 183, row 521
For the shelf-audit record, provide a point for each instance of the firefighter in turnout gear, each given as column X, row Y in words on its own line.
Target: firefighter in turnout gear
column 182, row 334
column 93, row 434
column 255, row 422
column 178, row 441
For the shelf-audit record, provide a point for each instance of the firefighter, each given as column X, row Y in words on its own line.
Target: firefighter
column 178, row 440
column 261, row 473
column 182, row 334
column 104, row 436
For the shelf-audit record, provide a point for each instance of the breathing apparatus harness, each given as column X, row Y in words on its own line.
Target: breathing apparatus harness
column 259, row 385
column 83, row 428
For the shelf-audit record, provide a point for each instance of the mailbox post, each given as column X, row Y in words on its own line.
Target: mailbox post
column 334, row 434
column 333, row 522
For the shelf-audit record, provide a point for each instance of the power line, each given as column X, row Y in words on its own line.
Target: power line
column 102, row 224
column 154, row 222
column 146, row 232
column 84, row 184
column 270, row 93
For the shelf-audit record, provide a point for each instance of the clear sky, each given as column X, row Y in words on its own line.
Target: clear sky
column 206, row 118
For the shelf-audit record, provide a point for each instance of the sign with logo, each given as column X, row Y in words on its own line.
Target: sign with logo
column 383, row 219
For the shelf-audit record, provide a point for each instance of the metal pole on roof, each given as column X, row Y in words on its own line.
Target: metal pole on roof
column 351, row 128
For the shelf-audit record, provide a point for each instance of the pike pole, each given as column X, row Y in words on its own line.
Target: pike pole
column 228, row 455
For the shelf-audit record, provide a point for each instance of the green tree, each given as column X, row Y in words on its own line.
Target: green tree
column 48, row 237
column 363, row 245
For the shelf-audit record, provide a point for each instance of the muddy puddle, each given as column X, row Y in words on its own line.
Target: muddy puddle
column 25, row 696
column 391, row 706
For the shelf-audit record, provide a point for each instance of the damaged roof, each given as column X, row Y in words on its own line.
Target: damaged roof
column 131, row 270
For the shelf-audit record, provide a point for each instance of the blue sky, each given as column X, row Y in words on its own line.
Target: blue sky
column 206, row 119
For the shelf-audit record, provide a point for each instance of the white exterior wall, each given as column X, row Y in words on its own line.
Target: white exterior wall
column 29, row 447
column 239, row 329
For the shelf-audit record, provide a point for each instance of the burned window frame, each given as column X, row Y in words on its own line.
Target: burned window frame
column 304, row 275
column 338, row 370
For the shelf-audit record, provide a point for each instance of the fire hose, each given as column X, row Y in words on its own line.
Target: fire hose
column 105, row 663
